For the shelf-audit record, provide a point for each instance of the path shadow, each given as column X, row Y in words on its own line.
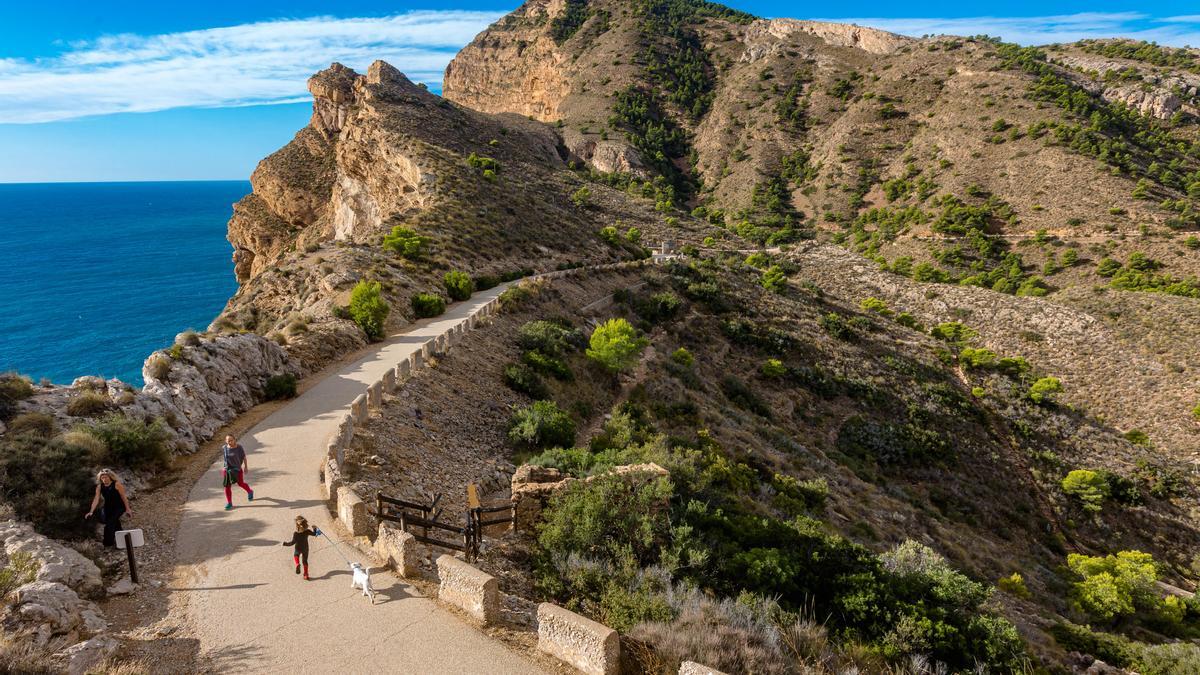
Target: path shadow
column 276, row 503
column 333, row 573
column 235, row 587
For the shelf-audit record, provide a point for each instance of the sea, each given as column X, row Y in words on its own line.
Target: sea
column 96, row 276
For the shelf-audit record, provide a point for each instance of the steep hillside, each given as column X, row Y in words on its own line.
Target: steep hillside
column 790, row 421
column 1070, row 173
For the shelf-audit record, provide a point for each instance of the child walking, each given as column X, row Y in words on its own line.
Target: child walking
column 299, row 542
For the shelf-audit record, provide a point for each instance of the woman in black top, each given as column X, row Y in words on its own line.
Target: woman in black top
column 299, row 541
column 116, row 504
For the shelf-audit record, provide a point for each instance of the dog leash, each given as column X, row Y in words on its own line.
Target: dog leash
column 335, row 547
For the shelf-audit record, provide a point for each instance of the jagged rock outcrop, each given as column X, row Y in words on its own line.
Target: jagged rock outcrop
column 870, row 40
column 1154, row 93
column 513, row 66
column 212, row 382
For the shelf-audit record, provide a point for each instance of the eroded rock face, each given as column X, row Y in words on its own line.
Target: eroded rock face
column 513, row 66
column 1156, row 94
column 870, row 40
column 212, row 382
column 333, row 95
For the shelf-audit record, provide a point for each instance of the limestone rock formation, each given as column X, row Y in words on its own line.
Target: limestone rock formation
column 57, row 564
column 212, row 382
column 871, row 40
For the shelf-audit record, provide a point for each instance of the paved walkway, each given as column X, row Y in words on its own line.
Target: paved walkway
column 249, row 610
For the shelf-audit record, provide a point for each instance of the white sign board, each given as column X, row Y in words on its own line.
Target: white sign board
column 135, row 537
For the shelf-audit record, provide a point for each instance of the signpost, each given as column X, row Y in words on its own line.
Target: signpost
column 129, row 540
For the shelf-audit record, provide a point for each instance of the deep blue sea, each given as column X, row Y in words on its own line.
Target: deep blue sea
column 95, row 276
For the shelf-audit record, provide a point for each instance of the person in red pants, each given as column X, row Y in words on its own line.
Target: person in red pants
column 299, row 542
column 234, row 470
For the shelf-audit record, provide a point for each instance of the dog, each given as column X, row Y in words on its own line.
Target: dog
column 362, row 579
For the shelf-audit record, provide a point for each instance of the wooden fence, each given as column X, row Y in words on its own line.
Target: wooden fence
column 427, row 517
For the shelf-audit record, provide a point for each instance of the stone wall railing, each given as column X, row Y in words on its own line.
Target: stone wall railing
column 593, row 648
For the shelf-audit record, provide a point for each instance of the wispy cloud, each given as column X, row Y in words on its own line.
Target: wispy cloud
column 1178, row 31
column 251, row 64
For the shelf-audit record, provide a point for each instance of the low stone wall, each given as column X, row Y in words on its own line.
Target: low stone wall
column 467, row 587
column 352, row 512
column 693, row 668
column 399, row 550
column 375, row 396
column 333, row 480
column 358, row 408
column 593, row 648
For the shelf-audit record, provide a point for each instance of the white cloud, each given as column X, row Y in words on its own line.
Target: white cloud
column 251, row 64
column 1176, row 31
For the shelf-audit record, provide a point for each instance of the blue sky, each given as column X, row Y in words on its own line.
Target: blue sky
column 177, row 91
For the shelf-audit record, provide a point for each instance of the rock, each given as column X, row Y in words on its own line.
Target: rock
column 49, row 610
column 213, row 382
column 123, row 587
column 58, row 564
column 84, row 656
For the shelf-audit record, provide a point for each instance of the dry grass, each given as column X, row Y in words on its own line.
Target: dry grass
column 88, row 404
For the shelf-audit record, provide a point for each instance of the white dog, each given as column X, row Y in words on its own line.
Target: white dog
column 362, row 579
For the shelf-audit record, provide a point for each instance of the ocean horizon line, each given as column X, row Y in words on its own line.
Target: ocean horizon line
column 125, row 182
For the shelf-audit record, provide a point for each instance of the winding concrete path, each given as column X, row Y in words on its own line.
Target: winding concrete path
column 250, row 611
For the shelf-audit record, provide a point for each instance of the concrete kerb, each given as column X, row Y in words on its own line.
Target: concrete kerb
column 346, row 430
column 404, row 370
column 469, row 588
column 352, row 511
column 375, row 395
column 359, row 408
column 389, row 381
column 333, row 480
column 399, row 550
column 591, row 647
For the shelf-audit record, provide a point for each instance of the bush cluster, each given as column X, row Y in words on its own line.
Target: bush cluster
column 368, row 309
column 406, row 243
column 616, row 345
column 426, row 305
column 279, row 387
column 459, row 285
column 541, row 425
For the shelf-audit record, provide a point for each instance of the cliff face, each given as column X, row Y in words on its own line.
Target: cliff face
column 513, row 66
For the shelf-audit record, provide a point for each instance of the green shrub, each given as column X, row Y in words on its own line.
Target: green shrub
column 425, row 305
column 406, row 243
column 633, row 235
column 483, row 163
column 609, row 234
column 521, row 378
column 280, row 387
column 548, row 365
column 515, row 296
column 615, row 345
column 36, row 423
column 1014, row 584
column 13, row 388
column 549, row 337
column 954, row 332
column 773, row 368
column 1196, row 412
column 1043, row 390
column 1170, row 659
column 486, row 282
column 368, row 309
column 131, row 443
column 875, row 305
column 581, row 197
column 1138, row 437
column 683, row 357
column 541, row 425
column 20, row 570
column 836, row 325
column 1107, row 267
column 795, row 497
column 88, row 404
column 175, row 351
column 47, row 482
column 1089, row 487
column 596, row 518
column 773, row 279
column 758, row 260
column 458, row 285
column 1112, row 649
column 1115, row 586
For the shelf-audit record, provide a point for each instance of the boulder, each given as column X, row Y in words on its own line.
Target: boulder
column 83, row 657
column 58, row 564
column 48, row 610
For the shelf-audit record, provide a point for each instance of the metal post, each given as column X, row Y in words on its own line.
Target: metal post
column 132, row 563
